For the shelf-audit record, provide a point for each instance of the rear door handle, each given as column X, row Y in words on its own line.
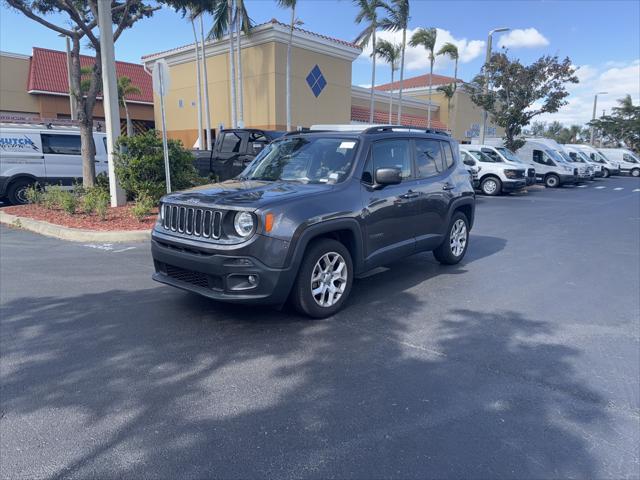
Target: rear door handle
column 448, row 186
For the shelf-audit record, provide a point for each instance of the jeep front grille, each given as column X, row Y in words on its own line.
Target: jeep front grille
column 195, row 221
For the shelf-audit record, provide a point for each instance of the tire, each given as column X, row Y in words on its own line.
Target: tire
column 16, row 192
column 635, row 172
column 606, row 173
column 491, row 186
column 316, row 257
column 552, row 181
column 448, row 253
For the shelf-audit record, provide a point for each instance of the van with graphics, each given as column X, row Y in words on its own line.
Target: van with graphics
column 551, row 168
column 35, row 154
column 626, row 160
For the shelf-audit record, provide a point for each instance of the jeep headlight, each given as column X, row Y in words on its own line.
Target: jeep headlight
column 244, row 224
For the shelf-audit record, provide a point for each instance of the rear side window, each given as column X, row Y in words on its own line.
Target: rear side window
column 231, row 142
column 61, row 144
column 448, row 154
column 430, row 160
column 392, row 154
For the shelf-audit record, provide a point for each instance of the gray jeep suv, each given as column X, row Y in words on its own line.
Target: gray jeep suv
column 312, row 211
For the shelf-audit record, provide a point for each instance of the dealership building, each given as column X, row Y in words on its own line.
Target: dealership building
column 321, row 87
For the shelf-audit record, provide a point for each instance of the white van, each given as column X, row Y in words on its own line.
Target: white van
column 551, row 167
column 502, row 154
column 32, row 154
column 579, row 156
column 610, row 167
column 495, row 175
column 626, row 159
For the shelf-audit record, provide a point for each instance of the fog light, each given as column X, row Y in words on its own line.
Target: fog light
column 253, row 280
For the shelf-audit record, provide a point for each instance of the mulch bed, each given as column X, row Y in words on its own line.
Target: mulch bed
column 118, row 218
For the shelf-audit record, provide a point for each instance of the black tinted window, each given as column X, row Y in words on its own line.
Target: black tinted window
column 231, row 143
column 61, row 144
column 392, row 154
column 429, row 158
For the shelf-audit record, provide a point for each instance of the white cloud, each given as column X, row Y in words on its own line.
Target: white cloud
column 523, row 38
column 416, row 57
column 618, row 81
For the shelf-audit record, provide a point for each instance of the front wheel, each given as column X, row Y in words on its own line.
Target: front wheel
column 491, row 186
column 605, row 173
column 635, row 172
column 324, row 280
column 552, row 181
column 455, row 243
column 17, row 191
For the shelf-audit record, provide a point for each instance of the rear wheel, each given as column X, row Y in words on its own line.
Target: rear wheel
column 17, row 191
column 606, row 173
column 552, row 181
column 491, row 186
column 454, row 245
column 324, row 280
column 635, row 172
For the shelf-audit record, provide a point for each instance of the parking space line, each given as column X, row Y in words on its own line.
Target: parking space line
column 636, row 189
column 618, row 188
column 599, row 187
column 583, row 186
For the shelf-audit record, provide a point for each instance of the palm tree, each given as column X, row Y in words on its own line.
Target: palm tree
column 390, row 53
column 448, row 91
column 369, row 13
column 125, row 87
column 292, row 5
column 426, row 37
column 398, row 19
column 450, row 50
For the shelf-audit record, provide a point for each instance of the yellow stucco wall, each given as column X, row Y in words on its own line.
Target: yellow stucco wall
column 14, row 74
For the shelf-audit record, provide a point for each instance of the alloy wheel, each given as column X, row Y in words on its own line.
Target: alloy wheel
column 458, row 237
column 329, row 279
column 489, row 187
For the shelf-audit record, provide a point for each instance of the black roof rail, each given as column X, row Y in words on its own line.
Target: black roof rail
column 391, row 128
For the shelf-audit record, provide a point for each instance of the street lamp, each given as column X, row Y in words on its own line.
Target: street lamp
column 72, row 104
column 593, row 117
column 485, row 114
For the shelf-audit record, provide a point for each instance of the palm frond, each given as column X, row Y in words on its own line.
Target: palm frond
column 450, row 50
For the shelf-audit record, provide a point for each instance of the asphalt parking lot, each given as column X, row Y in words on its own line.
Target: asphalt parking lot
column 521, row 362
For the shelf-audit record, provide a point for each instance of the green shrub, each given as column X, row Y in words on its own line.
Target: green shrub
column 142, row 207
column 68, row 202
column 52, row 197
column 102, row 182
column 34, row 194
column 99, row 200
column 140, row 166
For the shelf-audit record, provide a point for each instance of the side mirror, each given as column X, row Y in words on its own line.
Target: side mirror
column 471, row 163
column 388, row 176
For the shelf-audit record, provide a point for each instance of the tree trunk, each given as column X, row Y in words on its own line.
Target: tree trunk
column 126, row 113
column 373, row 79
column 288, row 80
column 88, row 153
column 430, row 85
column 452, row 116
column 239, row 56
column 391, row 99
column 232, row 67
column 404, row 44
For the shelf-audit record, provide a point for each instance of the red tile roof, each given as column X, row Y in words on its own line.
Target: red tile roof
column 421, row 81
column 361, row 114
column 48, row 73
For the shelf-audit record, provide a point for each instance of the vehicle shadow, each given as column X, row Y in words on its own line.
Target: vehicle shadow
column 153, row 383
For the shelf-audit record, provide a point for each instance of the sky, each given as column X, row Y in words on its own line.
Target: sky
column 602, row 39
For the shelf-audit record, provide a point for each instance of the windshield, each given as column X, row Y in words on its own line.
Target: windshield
column 585, row 158
column 565, row 156
column 483, row 157
column 304, row 159
column 509, row 155
column 555, row 155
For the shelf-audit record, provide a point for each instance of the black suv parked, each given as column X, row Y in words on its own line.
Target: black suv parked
column 233, row 150
column 312, row 211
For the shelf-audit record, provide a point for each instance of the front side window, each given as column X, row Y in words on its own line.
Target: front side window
column 392, row 154
column 508, row 154
column 231, row 142
column 629, row 158
column 304, row 159
column 483, row 157
column 61, row 144
column 542, row 158
column 429, row 158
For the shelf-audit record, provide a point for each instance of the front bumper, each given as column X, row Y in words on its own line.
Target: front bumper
column 511, row 185
column 221, row 276
column 530, row 180
column 564, row 179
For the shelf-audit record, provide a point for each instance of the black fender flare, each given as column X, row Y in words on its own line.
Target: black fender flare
column 460, row 202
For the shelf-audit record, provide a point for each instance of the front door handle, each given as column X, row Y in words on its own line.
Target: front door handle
column 410, row 194
column 448, row 186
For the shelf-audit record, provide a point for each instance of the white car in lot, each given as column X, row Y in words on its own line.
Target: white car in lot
column 626, row 159
column 551, row 167
column 580, row 157
column 609, row 167
column 495, row 176
column 35, row 154
column 500, row 153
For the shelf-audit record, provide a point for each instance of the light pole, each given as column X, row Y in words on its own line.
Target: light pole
column 72, row 104
column 593, row 117
column 485, row 114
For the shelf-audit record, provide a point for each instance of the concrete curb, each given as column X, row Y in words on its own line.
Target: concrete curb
column 73, row 234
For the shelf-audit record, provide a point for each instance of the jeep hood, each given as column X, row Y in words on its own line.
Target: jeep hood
column 245, row 194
